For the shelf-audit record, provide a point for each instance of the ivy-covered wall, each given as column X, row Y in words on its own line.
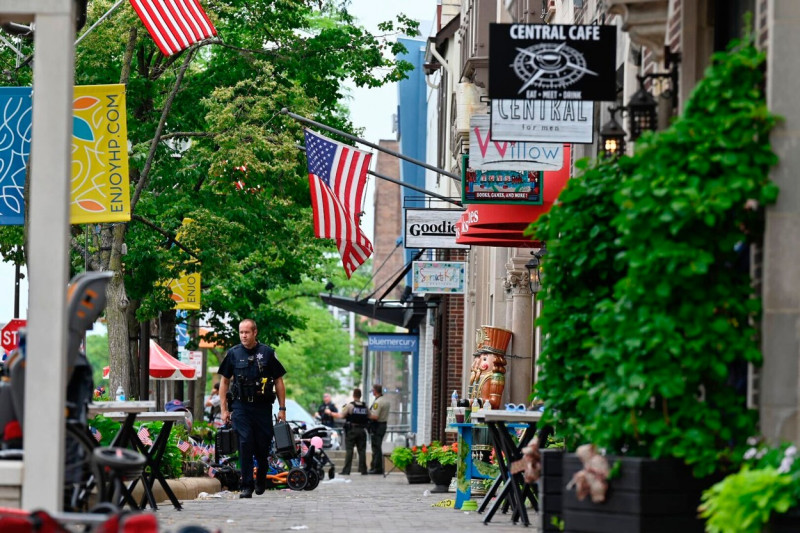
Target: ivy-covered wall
column 646, row 312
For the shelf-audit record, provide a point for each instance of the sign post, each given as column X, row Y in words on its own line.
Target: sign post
column 9, row 335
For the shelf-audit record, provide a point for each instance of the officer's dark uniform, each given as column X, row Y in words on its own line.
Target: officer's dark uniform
column 252, row 373
column 355, row 414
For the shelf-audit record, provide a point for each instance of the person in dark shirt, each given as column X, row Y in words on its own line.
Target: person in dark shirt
column 325, row 418
column 253, row 375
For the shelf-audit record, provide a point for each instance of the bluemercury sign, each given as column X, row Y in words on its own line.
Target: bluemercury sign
column 501, row 186
column 559, row 121
column 389, row 342
column 552, row 62
column 486, row 153
column 432, row 228
column 437, row 277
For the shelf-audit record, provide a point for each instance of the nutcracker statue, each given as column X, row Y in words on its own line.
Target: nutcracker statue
column 488, row 374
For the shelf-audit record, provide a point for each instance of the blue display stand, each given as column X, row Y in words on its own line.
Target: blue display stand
column 466, row 469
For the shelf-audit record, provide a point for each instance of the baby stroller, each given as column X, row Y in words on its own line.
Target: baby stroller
column 319, row 457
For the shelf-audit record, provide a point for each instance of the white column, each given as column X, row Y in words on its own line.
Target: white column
column 780, row 396
column 519, row 374
column 48, row 215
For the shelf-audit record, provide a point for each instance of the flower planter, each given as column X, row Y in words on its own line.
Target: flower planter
column 417, row 474
column 648, row 496
column 551, row 488
column 441, row 475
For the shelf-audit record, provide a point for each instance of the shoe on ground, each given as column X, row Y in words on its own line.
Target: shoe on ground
column 373, row 471
column 261, row 486
column 246, row 493
column 363, row 473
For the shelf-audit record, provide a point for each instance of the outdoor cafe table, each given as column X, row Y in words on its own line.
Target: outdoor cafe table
column 514, row 490
column 128, row 413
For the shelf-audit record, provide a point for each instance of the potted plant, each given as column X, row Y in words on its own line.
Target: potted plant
column 764, row 494
column 405, row 459
column 441, row 462
column 645, row 311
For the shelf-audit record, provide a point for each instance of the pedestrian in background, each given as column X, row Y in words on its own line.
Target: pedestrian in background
column 355, row 432
column 378, row 415
column 327, row 404
column 253, row 375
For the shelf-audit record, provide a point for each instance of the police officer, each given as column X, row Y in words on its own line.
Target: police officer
column 378, row 415
column 355, row 427
column 249, row 373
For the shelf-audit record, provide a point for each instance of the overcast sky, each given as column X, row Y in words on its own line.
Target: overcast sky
column 371, row 109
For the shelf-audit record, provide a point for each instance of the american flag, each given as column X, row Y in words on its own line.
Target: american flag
column 96, row 434
column 337, row 175
column 174, row 25
column 144, row 436
column 183, row 445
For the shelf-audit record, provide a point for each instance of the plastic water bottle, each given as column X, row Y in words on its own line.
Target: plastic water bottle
column 454, row 398
column 120, row 394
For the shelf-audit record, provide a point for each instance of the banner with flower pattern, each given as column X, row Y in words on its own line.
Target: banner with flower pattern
column 100, row 190
column 186, row 291
column 100, row 186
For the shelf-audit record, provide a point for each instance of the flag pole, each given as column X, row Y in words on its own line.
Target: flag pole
column 407, row 185
column 101, row 19
column 316, row 124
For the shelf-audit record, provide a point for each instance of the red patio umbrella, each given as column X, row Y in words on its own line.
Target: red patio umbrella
column 163, row 365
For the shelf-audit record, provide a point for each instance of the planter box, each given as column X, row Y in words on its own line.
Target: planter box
column 416, row 474
column 648, row 496
column 551, row 488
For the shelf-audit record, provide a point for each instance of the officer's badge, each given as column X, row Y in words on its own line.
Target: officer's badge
column 260, row 356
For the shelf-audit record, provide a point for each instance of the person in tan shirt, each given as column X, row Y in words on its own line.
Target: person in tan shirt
column 378, row 415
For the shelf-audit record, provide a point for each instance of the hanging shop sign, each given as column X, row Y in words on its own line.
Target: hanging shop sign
column 432, row 228
column 486, row 153
column 392, row 342
column 500, row 186
column 437, row 277
column 552, row 62
column 495, row 225
column 559, row 121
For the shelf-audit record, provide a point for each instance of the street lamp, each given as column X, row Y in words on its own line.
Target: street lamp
column 641, row 110
column 533, row 266
column 612, row 136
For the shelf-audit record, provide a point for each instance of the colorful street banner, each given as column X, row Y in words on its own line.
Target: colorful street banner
column 100, row 190
column 186, row 291
column 15, row 146
column 100, row 186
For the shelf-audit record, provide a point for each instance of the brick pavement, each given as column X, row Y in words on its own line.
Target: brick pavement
column 366, row 503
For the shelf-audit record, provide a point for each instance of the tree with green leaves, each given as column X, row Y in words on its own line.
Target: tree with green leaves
column 218, row 184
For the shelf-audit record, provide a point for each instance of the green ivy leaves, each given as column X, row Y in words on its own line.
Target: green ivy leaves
column 645, row 309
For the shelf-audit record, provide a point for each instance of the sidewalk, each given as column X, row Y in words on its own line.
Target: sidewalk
column 365, row 503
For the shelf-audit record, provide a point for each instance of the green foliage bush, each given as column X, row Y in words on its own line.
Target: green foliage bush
column 644, row 309
column 743, row 502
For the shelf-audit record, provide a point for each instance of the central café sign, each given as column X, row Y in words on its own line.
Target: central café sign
column 552, row 62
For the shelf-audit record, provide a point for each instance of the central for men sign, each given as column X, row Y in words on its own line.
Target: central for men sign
column 552, row 62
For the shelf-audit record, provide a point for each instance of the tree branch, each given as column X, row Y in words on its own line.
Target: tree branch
column 165, row 233
column 143, row 178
